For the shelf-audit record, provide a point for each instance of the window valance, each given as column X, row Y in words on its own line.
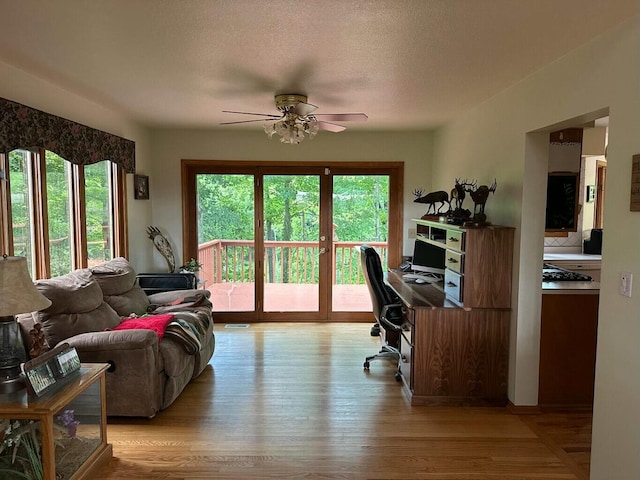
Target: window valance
column 25, row 127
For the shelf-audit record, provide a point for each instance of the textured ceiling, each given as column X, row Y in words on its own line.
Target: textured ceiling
column 406, row 63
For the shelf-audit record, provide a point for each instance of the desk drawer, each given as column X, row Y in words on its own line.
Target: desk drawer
column 453, row 261
column 406, row 354
column 455, row 240
column 453, row 285
column 408, row 315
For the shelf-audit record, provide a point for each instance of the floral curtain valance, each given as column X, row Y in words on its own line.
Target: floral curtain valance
column 25, row 127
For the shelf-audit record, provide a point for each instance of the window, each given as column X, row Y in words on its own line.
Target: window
column 97, row 188
column 20, row 197
column 61, row 216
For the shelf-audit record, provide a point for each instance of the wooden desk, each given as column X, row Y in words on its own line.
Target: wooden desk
column 87, row 447
column 451, row 355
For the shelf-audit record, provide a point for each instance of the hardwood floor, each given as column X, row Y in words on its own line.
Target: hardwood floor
column 292, row 401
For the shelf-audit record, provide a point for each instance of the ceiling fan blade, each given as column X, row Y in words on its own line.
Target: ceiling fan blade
column 249, row 121
column 343, row 117
column 330, row 127
column 305, row 109
column 249, row 113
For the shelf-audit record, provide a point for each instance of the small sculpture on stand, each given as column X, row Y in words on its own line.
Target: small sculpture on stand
column 163, row 246
column 479, row 196
column 39, row 343
column 458, row 215
column 431, row 199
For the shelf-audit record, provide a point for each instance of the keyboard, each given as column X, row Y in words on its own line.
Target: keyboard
column 421, row 278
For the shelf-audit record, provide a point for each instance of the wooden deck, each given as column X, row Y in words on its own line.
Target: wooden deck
column 293, row 297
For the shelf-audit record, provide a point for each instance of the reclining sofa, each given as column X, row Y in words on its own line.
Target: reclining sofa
column 155, row 345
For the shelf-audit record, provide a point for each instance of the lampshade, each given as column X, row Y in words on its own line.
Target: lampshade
column 18, row 294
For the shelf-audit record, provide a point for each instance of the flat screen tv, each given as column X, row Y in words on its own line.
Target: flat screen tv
column 428, row 258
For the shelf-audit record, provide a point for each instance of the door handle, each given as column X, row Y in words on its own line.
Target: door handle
column 323, row 238
column 323, row 250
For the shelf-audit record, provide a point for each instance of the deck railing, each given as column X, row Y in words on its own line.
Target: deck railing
column 285, row 262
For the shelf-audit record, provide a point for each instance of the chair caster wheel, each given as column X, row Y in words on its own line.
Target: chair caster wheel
column 366, row 365
column 375, row 330
column 398, row 377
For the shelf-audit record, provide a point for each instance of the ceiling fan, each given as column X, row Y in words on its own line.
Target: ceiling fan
column 297, row 119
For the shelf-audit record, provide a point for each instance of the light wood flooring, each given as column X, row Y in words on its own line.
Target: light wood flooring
column 291, row 401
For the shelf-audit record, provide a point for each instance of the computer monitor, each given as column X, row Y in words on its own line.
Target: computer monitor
column 428, row 258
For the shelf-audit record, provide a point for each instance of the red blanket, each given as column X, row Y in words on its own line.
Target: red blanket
column 157, row 323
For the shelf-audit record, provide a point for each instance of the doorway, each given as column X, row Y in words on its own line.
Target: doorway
column 278, row 240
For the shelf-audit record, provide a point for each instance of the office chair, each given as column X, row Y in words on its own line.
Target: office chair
column 387, row 309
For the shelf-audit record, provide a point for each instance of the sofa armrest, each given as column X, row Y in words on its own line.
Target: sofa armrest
column 134, row 383
column 165, row 298
column 113, row 340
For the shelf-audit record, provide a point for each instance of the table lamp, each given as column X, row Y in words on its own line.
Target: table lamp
column 18, row 294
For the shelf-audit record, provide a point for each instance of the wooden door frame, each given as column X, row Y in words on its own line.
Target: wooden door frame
column 395, row 170
column 601, row 175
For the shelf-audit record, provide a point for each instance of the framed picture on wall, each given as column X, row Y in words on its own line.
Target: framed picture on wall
column 141, row 187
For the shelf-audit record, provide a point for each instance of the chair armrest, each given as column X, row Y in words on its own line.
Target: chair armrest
column 383, row 316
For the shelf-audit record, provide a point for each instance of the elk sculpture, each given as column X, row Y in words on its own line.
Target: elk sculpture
column 458, row 194
column 431, row 199
column 479, row 196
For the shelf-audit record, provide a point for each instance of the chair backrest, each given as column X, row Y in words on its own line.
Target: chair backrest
column 374, row 276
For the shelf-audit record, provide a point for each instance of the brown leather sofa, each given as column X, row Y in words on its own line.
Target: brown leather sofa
column 146, row 373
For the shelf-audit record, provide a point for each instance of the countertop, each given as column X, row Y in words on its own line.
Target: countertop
column 576, row 257
column 571, row 288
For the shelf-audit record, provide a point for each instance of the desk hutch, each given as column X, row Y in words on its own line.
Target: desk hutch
column 455, row 343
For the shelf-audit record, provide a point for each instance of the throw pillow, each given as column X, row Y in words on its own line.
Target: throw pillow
column 157, row 323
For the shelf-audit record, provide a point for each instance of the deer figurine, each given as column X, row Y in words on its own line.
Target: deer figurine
column 431, row 199
column 479, row 196
column 458, row 194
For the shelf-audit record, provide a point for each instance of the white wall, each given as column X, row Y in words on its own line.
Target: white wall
column 21, row 87
column 171, row 146
column 505, row 137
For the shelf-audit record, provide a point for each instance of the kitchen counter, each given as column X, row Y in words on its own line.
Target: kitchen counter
column 578, row 263
column 572, row 257
column 571, row 288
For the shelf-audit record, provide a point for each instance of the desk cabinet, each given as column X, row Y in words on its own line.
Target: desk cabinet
column 69, row 425
column 455, row 342
column 459, row 357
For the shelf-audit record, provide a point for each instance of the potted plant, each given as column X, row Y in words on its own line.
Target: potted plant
column 192, row 266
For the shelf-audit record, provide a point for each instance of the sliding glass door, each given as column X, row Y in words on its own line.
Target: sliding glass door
column 281, row 243
column 226, row 246
column 360, row 206
column 291, row 233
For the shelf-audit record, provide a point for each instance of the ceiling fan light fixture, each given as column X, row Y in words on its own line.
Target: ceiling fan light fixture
column 297, row 120
column 269, row 128
column 293, row 128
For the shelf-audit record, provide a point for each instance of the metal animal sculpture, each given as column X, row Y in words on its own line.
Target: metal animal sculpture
column 458, row 194
column 479, row 196
column 431, row 199
column 163, row 246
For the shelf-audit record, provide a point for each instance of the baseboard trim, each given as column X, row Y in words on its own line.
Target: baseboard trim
column 523, row 409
